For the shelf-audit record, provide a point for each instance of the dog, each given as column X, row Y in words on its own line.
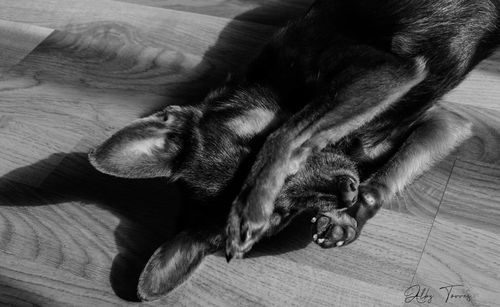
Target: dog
column 208, row 148
column 336, row 115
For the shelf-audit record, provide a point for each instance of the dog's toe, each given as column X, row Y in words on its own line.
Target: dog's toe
column 348, row 191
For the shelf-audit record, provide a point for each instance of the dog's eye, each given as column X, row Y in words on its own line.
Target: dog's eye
column 162, row 115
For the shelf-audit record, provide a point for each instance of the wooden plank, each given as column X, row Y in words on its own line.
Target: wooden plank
column 423, row 196
column 457, row 254
column 484, row 145
column 23, row 283
column 54, row 98
column 86, row 224
column 481, row 87
column 218, row 39
column 18, row 144
column 271, row 12
column 103, row 71
column 17, row 41
column 473, row 196
column 273, row 281
column 74, row 98
column 48, row 225
column 463, row 245
column 24, row 141
column 367, row 259
column 111, row 64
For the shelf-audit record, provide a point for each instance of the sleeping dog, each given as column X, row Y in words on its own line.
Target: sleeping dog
column 336, row 115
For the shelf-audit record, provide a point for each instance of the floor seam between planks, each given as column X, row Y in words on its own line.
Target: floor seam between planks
column 470, row 105
column 24, row 37
column 433, row 220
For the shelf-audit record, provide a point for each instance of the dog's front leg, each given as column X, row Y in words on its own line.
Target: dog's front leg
column 371, row 86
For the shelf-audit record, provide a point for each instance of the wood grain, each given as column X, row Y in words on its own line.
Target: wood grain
column 484, row 145
column 183, row 32
column 72, row 236
column 17, row 40
column 422, row 198
column 271, row 12
column 242, row 284
column 101, row 72
column 480, row 88
column 464, row 244
column 473, row 196
column 404, row 235
column 81, row 222
column 24, row 283
column 461, row 255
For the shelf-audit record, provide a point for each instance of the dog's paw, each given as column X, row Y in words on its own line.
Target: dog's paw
column 334, row 229
column 244, row 229
column 370, row 199
column 370, row 194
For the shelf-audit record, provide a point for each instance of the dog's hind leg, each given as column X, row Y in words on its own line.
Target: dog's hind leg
column 432, row 138
column 367, row 88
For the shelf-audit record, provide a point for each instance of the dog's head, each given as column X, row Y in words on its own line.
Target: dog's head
column 204, row 145
column 180, row 142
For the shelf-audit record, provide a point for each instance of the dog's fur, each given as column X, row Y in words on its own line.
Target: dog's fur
column 336, row 115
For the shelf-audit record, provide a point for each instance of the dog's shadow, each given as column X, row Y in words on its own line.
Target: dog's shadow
column 150, row 211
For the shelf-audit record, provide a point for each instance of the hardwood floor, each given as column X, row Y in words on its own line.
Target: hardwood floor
column 72, row 72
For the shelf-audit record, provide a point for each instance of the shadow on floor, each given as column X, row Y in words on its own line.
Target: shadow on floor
column 151, row 211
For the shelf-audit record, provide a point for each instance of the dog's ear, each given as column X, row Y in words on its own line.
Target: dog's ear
column 171, row 265
column 147, row 148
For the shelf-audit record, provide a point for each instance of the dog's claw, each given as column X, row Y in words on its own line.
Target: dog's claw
column 243, row 233
column 229, row 256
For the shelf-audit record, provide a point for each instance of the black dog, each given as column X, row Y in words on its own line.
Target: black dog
column 336, row 115
column 209, row 148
